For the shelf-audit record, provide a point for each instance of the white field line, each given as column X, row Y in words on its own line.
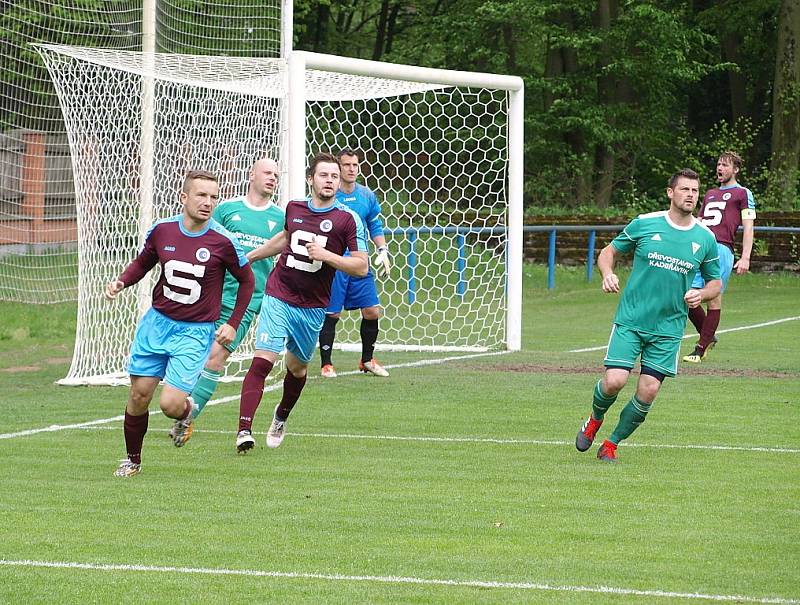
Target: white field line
column 751, row 327
column 267, row 389
column 489, row 441
column 333, row 577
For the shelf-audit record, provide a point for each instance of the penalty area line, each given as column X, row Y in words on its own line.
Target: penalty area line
column 333, row 577
column 739, row 329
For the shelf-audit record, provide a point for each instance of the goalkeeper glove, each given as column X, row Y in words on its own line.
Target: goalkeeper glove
column 383, row 261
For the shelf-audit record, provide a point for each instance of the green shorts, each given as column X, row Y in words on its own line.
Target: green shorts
column 241, row 331
column 657, row 352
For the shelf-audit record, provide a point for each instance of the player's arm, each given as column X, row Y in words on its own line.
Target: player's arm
column 605, row 264
column 710, row 291
column 742, row 266
column 356, row 264
column 383, row 260
column 244, row 275
column 134, row 272
column 374, row 224
column 270, row 248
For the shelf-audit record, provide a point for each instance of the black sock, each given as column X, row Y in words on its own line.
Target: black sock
column 326, row 336
column 369, row 335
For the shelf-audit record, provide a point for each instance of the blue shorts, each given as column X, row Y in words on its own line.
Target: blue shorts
column 352, row 292
column 725, row 268
column 281, row 325
column 175, row 351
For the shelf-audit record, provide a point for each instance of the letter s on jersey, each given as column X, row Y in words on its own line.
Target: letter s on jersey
column 298, row 244
column 194, row 288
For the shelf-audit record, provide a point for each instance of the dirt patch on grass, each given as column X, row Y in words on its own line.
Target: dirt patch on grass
column 21, row 369
column 542, row 368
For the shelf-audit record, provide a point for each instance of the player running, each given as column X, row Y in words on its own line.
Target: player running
column 668, row 248
column 312, row 247
column 724, row 210
column 174, row 337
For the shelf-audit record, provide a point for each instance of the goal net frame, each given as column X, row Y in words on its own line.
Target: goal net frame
column 296, row 83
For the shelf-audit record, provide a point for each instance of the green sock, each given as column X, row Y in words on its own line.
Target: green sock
column 601, row 402
column 630, row 418
column 204, row 389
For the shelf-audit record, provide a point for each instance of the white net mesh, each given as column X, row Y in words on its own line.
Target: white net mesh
column 38, row 234
column 436, row 157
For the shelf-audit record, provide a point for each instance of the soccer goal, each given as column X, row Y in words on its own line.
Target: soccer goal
column 442, row 150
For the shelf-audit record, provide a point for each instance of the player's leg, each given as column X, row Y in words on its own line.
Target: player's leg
column 300, row 346
column 135, row 423
column 624, row 346
column 659, row 360
column 188, row 349
column 271, row 335
column 326, row 337
column 215, row 364
column 328, row 332
column 708, row 334
column 363, row 294
column 146, row 366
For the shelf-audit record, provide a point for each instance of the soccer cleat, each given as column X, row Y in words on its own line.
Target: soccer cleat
column 699, row 354
column 276, row 431
column 695, row 356
column 182, row 431
column 372, row 367
column 607, row 452
column 585, row 436
column 127, row 468
column 244, row 441
column 327, row 371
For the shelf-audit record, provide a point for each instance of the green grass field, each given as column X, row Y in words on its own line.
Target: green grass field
column 454, row 482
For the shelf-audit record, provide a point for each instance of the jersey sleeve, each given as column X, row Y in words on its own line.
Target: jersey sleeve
column 357, row 238
column 144, row 261
column 709, row 266
column 626, row 240
column 749, row 211
column 373, row 220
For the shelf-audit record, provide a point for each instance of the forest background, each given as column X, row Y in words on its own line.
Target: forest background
column 619, row 94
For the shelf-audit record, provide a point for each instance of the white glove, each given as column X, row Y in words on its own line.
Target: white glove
column 383, row 261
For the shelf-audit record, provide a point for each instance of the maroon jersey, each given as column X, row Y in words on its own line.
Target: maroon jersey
column 192, row 270
column 722, row 211
column 298, row 280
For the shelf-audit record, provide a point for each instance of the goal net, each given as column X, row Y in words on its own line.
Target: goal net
column 38, row 235
column 435, row 152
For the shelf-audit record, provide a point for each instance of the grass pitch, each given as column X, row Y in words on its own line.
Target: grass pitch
column 455, row 482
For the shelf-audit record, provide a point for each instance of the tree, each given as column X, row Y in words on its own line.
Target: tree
column 783, row 182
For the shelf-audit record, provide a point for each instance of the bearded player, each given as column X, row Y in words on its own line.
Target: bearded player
column 312, row 246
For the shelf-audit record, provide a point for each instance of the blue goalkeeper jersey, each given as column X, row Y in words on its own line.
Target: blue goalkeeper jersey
column 364, row 203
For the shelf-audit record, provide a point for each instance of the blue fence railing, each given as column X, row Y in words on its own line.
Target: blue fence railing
column 412, row 235
column 592, row 235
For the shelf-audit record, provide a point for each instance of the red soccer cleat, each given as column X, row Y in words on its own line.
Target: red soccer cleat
column 607, row 452
column 585, row 436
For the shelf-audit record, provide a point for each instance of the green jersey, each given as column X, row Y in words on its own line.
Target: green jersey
column 666, row 258
column 252, row 226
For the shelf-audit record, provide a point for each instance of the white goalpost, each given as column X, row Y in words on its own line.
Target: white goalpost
column 442, row 150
